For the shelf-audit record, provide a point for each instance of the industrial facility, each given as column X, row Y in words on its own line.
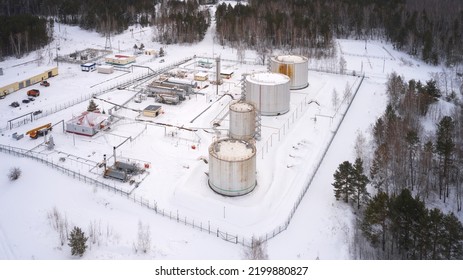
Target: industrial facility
column 242, row 120
column 120, row 59
column 269, row 92
column 37, row 77
column 293, row 66
column 232, row 167
column 87, row 124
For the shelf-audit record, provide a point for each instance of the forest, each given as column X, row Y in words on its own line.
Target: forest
column 430, row 30
column 410, row 166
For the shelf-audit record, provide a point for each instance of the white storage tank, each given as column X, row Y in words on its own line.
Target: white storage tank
column 293, row 66
column 242, row 120
column 232, row 167
column 269, row 92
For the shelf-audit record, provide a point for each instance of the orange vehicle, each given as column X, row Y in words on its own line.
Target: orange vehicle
column 33, row 92
column 39, row 131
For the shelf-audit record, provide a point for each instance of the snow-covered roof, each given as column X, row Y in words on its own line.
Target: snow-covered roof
column 89, row 119
column 88, row 64
column 201, row 74
column 241, row 107
column 268, row 78
column 23, row 72
column 291, row 58
column 226, row 72
column 105, row 67
column 152, row 108
column 120, row 56
column 233, row 150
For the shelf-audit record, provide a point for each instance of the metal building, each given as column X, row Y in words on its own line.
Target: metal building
column 242, row 120
column 232, row 167
column 293, row 66
column 269, row 92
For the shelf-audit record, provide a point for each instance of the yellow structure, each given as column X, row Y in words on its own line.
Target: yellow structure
column 120, row 59
column 152, row 111
column 201, row 76
column 7, row 89
column 151, row 52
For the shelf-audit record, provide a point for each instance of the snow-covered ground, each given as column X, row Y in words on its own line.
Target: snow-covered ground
column 291, row 147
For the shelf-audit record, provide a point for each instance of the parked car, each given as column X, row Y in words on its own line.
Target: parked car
column 14, row 104
column 37, row 112
column 33, row 92
column 26, row 101
column 31, row 98
column 45, row 83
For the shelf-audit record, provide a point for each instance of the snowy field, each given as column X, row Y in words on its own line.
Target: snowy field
column 291, row 147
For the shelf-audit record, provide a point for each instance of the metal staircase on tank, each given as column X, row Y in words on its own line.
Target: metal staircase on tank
column 243, row 87
column 257, row 135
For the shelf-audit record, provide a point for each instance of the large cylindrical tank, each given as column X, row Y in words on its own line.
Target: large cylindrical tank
column 232, row 167
column 293, row 66
column 242, row 120
column 269, row 92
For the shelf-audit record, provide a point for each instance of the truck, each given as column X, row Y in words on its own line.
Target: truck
column 33, row 92
column 39, row 131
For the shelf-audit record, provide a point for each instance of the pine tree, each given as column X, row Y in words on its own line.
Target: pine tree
column 77, row 242
column 413, row 141
column 359, row 183
column 343, row 181
column 375, row 224
column 435, row 234
column 452, row 239
column 445, row 147
column 92, row 106
column 406, row 212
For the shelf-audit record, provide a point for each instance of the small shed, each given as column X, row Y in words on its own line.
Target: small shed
column 151, row 52
column 88, row 67
column 152, row 111
column 88, row 123
column 204, row 64
column 120, row 59
column 226, row 74
column 201, row 76
column 105, row 69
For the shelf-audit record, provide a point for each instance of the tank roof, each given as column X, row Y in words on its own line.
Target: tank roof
column 291, row 58
column 233, row 150
column 268, row 78
column 241, row 107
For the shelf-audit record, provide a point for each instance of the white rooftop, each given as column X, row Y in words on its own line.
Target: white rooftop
column 241, row 107
column 291, row 58
column 233, row 150
column 268, row 78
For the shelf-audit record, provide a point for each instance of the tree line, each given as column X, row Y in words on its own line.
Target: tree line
column 27, row 24
column 181, row 22
column 22, row 34
column 100, row 15
column 401, row 227
column 411, row 166
column 431, row 30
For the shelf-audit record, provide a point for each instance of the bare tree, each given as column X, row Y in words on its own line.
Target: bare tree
column 257, row 251
column 14, row 173
column 342, row 65
column 144, row 238
column 335, row 99
column 59, row 224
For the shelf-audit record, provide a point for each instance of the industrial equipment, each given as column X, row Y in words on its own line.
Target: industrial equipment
column 39, row 131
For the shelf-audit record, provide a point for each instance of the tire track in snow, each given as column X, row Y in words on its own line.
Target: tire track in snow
column 6, row 252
